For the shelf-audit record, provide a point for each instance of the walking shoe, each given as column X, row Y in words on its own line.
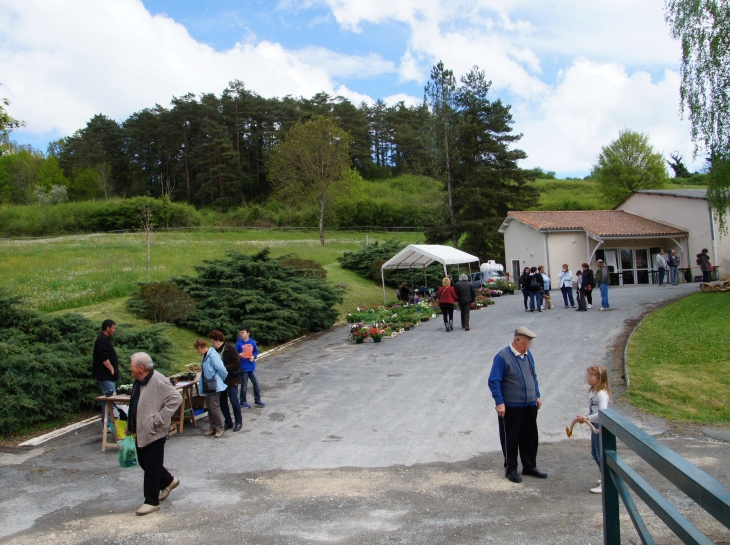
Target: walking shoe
column 146, row 509
column 209, row 433
column 245, row 405
column 534, row 472
column 513, row 476
column 166, row 491
column 566, row 306
column 597, row 490
column 447, row 327
column 590, row 306
column 237, row 427
column 466, row 329
column 539, row 310
column 228, row 427
column 572, row 307
column 601, row 309
column 218, row 434
column 260, row 403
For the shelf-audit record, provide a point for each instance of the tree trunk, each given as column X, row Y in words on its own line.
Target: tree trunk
column 148, row 247
column 321, row 220
column 449, row 188
column 187, row 169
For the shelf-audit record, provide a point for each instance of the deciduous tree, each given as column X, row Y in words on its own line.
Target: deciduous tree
column 312, row 164
column 627, row 164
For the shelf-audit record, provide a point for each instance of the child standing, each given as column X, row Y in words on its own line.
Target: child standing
column 598, row 397
column 248, row 351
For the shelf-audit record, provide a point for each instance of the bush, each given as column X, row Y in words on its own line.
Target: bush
column 278, row 302
column 45, row 362
column 92, row 216
column 161, row 302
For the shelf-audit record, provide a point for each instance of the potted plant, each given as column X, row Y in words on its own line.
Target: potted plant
column 359, row 335
column 376, row 334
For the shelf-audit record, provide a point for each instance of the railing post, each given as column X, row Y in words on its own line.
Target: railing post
column 611, row 522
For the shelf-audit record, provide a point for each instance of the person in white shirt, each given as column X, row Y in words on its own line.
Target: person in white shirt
column 565, row 283
column 661, row 266
column 599, row 396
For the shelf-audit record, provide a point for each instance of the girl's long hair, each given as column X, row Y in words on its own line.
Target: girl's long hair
column 602, row 374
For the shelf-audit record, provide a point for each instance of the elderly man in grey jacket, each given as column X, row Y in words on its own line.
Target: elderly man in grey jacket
column 465, row 291
column 153, row 402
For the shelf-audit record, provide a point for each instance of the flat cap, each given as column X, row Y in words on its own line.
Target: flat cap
column 599, row 260
column 524, row 332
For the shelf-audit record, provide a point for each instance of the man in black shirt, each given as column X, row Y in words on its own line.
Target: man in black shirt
column 105, row 364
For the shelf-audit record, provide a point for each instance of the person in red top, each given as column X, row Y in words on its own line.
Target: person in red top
column 447, row 297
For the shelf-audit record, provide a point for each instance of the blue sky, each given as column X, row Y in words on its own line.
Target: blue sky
column 575, row 72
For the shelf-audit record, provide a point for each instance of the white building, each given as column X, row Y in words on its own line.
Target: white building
column 626, row 238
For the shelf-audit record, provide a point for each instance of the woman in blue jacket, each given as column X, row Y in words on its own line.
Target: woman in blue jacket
column 212, row 370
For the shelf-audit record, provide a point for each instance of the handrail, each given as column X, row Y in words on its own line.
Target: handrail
column 706, row 491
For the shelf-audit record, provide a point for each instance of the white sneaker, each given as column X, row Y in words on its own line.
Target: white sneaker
column 590, row 306
column 597, row 490
column 601, row 308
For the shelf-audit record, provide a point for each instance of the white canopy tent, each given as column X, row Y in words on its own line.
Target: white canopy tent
column 420, row 256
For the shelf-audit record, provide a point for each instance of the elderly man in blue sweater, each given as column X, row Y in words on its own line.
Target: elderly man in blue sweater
column 514, row 386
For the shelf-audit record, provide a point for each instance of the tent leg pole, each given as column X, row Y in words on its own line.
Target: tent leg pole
column 382, row 275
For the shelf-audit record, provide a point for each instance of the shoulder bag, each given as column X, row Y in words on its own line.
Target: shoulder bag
column 210, row 385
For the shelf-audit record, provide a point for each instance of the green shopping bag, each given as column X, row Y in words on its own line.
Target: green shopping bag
column 127, row 452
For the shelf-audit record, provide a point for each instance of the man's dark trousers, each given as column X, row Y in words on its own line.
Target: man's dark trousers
column 518, row 431
column 151, row 459
column 465, row 310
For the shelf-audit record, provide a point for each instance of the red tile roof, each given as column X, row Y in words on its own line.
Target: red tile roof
column 602, row 223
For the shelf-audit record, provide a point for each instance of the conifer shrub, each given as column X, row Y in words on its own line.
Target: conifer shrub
column 278, row 301
column 161, row 302
column 45, row 362
column 308, row 267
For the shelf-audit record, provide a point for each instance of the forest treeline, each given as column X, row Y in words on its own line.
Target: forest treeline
column 212, row 150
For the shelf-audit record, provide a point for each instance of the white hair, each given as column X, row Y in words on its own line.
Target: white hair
column 142, row 359
column 463, row 277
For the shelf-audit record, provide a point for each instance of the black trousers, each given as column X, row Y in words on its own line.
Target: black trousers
column 589, row 296
column 518, row 432
column 465, row 309
column 525, row 296
column 447, row 309
column 151, row 459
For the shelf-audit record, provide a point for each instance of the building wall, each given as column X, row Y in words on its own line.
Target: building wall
column 565, row 247
column 688, row 214
column 523, row 243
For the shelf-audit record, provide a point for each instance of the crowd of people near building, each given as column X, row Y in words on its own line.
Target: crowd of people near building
column 226, row 370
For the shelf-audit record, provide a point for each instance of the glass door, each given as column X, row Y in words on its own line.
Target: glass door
column 642, row 267
column 613, row 267
column 627, row 267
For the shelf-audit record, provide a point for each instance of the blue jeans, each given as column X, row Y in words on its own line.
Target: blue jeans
column 535, row 296
column 567, row 293
column 673, row 275
column 105, row 386
column 244, row 386
column 604, row 294
column 231, row 393
column 662, row 272
column 596, row 445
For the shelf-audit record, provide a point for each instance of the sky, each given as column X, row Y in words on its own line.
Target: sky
column 576, row 72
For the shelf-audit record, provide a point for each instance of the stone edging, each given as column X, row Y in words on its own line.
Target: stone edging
column 628, row 340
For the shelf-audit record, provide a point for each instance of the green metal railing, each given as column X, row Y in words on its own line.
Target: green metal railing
column 617, row 477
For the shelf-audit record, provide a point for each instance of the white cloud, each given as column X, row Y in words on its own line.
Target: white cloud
column 409, row 100
column 566, row 128
column 64, row 61
column 342, row 65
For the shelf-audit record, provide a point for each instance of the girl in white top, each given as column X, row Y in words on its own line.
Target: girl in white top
column 598, row 398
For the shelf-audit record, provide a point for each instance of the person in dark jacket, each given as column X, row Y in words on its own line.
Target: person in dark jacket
column 233, row 365
column 516, row 393
column 447, row 297
column 589, row 282
column 673, row 263
column 536, row 286
column 524, row 282
column 703, row 260
column 104, row 362
column 404, row 292
column 465, row 292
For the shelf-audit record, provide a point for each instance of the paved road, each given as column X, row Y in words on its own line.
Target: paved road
column 421, row 398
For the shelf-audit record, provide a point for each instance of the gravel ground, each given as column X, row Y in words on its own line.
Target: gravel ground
column 370, row 444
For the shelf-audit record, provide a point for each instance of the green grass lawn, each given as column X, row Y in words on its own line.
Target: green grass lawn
column 78, row 271
column 679, row 364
